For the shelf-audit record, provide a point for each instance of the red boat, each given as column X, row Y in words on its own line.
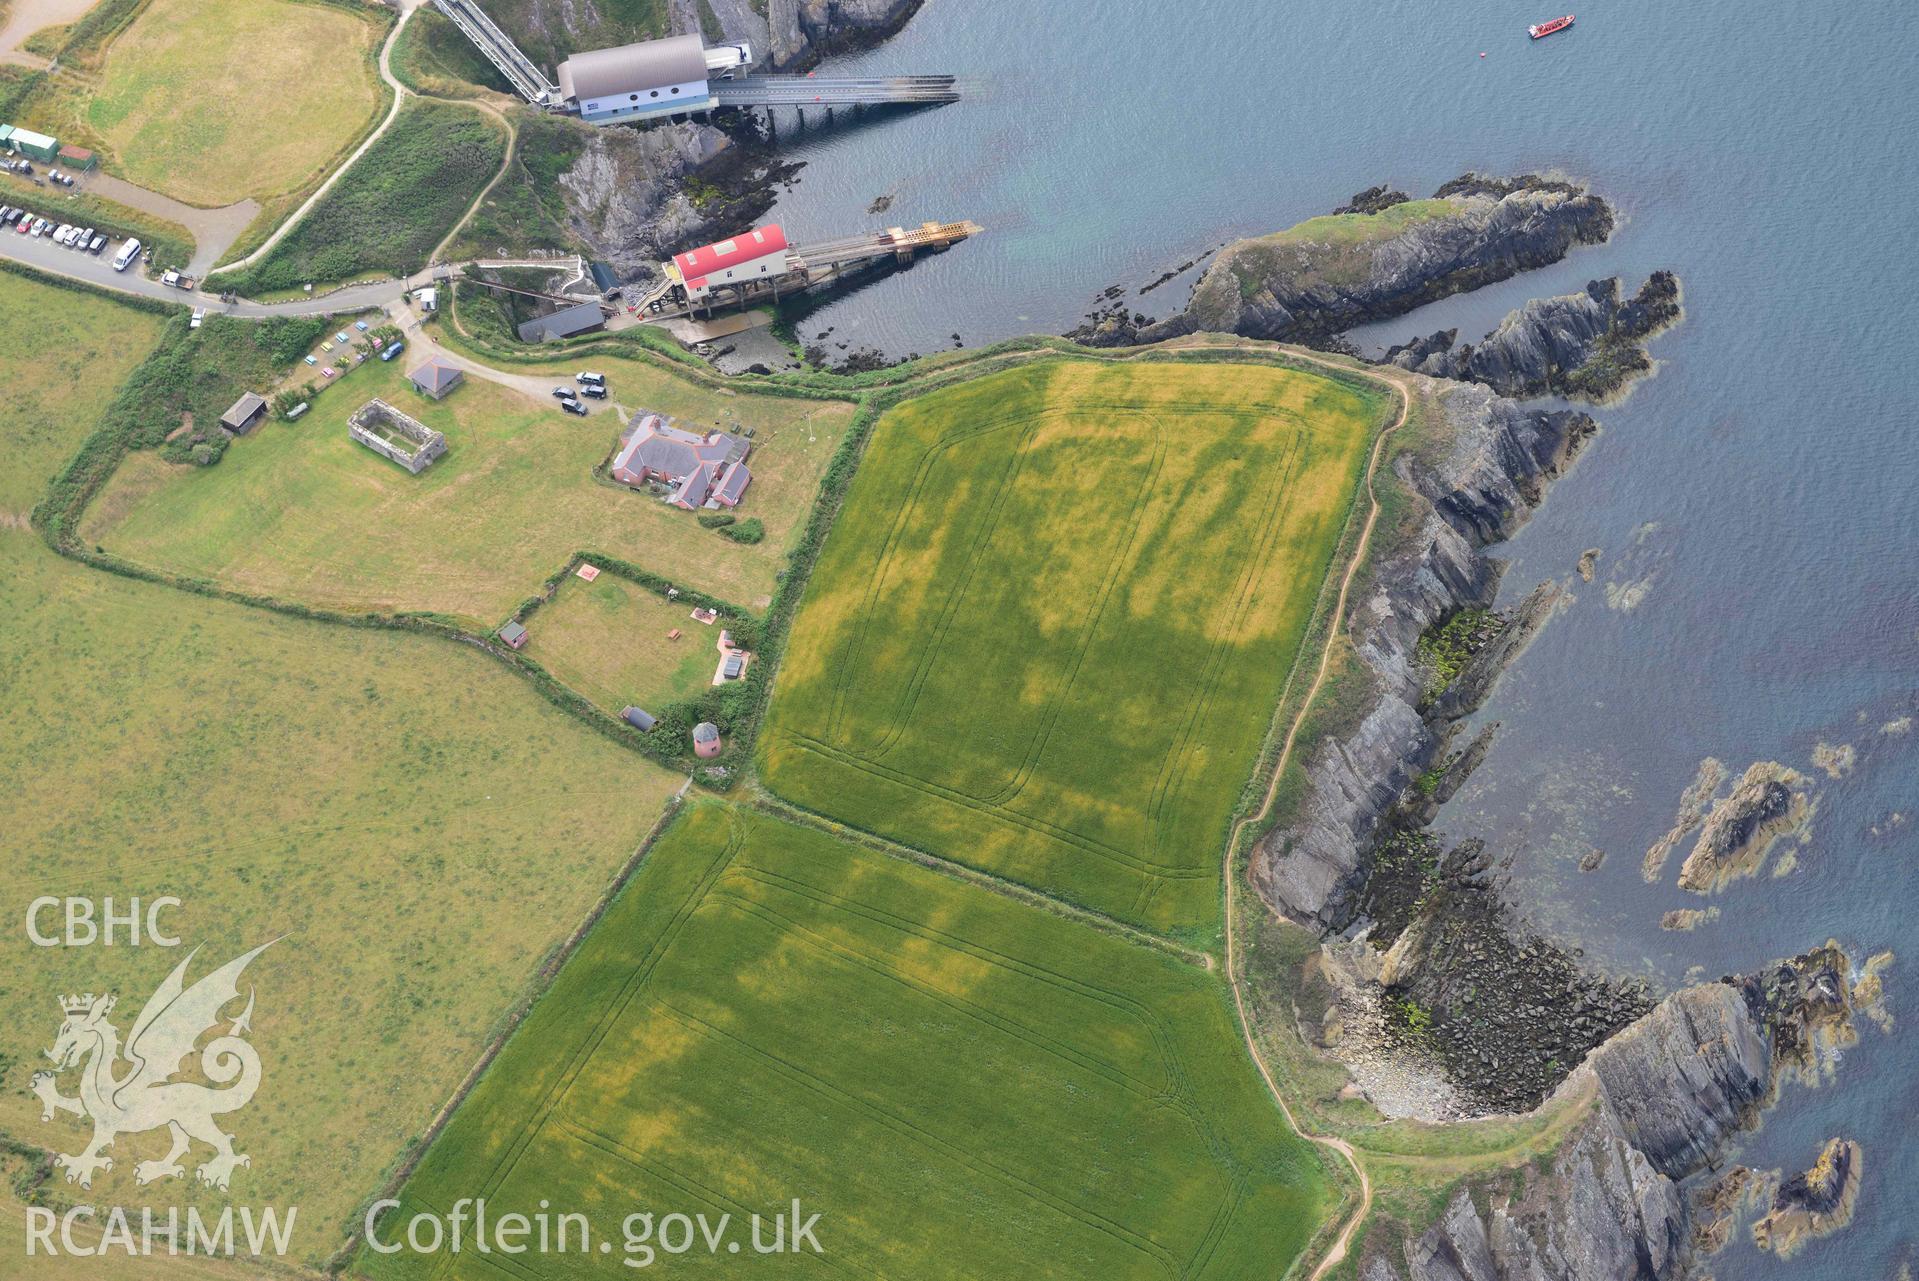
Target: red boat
column 1539, row 30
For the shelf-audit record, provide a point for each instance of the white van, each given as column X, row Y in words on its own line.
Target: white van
column 128, row 252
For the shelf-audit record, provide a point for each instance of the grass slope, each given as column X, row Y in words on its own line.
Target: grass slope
column 959, row 1085
column 394, row 205
column 211, row 101
column 69, row 352
column 1046, row 633
column 299, row 511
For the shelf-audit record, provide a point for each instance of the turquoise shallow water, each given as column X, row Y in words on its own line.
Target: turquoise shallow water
column 1760, row 487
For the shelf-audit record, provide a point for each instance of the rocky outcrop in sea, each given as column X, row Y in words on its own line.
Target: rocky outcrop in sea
column 1313, row 282
column 1587, row 345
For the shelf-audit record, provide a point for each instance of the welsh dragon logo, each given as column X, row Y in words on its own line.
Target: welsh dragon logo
column 130, row 1089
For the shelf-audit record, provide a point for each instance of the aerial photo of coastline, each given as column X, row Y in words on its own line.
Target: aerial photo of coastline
column 957, row 639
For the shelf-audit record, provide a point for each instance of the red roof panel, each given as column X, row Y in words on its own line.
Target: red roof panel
column 756, row 243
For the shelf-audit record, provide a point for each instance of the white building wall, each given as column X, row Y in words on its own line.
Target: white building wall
column 773, row 264
column 691, row 96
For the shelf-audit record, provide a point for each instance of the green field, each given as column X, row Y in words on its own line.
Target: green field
column 607, row 639
column 418, row 825
column 959, row 1085
column 69, row 351
column 1047, row 633
column 211, row 101
column 393, row 206
column 299, row 511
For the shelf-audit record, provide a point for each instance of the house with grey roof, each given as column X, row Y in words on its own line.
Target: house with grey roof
column 567, row 321
column 436, row 377
column 702, row 469
column 245, row 414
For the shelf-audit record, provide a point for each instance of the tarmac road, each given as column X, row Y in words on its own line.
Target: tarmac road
column 41, row 253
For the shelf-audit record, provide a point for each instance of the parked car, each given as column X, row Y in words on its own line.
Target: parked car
column 24, row 226
column 590, row 379
column 313, row 360
column 393, row 350
column 564, row 393
column 128, row 252
column 341, row 338
column 6, row 213
column 360, row 325
column 597, row 393
column 99, row 243
column 39, row 226
column 199, row 315
column 574, row 407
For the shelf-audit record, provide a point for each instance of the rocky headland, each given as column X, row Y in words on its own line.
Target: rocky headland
column 1624, row 1197
column 1583, row 346
column 1313, row 282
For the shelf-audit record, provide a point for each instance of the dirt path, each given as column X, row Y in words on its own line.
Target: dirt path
column 28, row 16
column 400, row 92
column 1336, row 1253
column 506, row 163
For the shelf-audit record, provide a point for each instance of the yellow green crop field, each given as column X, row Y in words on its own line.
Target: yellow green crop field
column 211, row 101
column 300, row 512
column 957, row 1084
column 1047, row 632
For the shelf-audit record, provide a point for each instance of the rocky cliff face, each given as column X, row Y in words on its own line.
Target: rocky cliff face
column 629, row 195
column 1587, row 345
column 803, row 31
column 1494, row 472
column 1325, row 276
column 1673, row 1090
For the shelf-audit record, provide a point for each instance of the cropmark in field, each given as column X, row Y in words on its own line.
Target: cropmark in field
column 958, row 1085
column 1047, row 633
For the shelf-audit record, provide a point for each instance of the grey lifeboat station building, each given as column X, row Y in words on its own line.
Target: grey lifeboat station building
column 651, row 78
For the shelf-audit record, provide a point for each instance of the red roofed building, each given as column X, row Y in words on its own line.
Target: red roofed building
column 755, row 255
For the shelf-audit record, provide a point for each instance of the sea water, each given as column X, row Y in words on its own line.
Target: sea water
column 1756, row 502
